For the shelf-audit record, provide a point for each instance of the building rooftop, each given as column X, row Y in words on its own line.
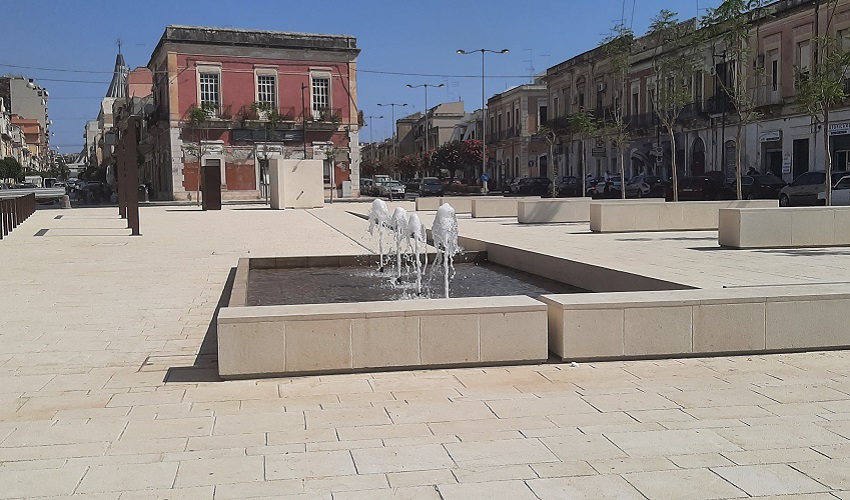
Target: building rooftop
column 250, row 37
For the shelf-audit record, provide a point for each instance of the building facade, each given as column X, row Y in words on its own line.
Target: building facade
column 246, row 96
column 514, row 146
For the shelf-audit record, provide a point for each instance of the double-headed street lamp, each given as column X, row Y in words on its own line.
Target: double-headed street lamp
column 483, row 111
column 427, row 128
column 392, row 106
column 370, row 126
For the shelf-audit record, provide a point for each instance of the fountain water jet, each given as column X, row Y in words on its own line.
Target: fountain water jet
column 379, row 217
column 399, row 226
column 444, row 233
column 417, row 237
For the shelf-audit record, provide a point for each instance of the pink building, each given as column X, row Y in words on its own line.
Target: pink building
column 247, row 96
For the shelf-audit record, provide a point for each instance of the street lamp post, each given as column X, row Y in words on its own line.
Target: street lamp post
column 392, row 106
column 427, row 128
column 483, row 113
column 371, row 140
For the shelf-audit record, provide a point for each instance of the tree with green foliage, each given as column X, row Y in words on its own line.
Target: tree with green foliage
column 618, row 49
column 729, row 23
column 10, row 168
column 673, row 65
column 584, row 125
column 820, row 88
column 457, row 156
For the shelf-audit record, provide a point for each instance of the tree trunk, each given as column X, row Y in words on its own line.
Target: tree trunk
column 828, row 159
column 622, row 171
column 583, row 169
column 738, row 151
column 673, row 168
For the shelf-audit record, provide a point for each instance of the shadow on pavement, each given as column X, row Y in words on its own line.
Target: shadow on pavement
column 205, row 366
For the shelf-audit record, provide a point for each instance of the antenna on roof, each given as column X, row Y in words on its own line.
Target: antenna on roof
column 118, row 42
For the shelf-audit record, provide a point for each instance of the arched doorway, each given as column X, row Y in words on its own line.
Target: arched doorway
column 698, row 157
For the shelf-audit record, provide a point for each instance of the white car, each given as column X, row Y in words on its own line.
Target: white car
column 840, row 193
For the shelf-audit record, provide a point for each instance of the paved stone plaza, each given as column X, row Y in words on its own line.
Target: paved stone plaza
column 108, row 387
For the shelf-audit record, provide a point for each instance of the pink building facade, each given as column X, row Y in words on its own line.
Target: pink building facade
column 246, row 97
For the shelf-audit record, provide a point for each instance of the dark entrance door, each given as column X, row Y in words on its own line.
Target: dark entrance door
column 800, row 156
column 774, row 163
column 211, row 184
column 698, row 158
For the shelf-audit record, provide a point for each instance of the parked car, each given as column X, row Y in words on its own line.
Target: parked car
column 706, row 186
column 430, row 186
column 606, row 187
column 539, row 186
column 512, row 187
column 366, row 186
column 805, row 188
column 761, row 187
column 391, row 189
column 840, row 193
column 567, row 186
column 646, row 186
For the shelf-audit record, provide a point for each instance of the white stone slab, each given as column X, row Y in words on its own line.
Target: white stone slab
column 628, row 216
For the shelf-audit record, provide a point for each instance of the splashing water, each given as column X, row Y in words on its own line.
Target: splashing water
column 379, row 217
column 411, row 242
column 418, row 241
column 444, row 233
column 399, row 227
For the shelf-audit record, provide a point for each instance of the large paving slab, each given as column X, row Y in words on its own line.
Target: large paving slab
column 108, row 386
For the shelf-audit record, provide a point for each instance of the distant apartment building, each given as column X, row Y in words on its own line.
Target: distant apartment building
column 26, row 99
column 783, row 140
column 514, row 147
column 247, row 96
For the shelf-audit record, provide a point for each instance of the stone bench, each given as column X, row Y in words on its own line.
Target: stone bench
column 784, row 227
column 461, row 204
column 621, row 325
column 331, row 338
column 496, row 206
column 664, row 216
column 549, row 210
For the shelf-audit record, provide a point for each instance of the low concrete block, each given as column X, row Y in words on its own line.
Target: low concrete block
column 807, row 323
column 318, row 345
column 494, row 207
column 700, row 321
column 504, row 336
column 385, row 342
column 425, row 203
column 652, row 331
column 729, row 327
column 784, row 227
column 461, row 204
column 251, row 348
column 281, row 340
column 553, row 210
column 664, row 216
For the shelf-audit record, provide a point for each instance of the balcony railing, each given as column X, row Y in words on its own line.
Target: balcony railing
column 719, row 104
column 766, row 96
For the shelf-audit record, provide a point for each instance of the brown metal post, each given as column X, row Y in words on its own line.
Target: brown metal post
column 120, row 173
column 131, row 182
column 16, row 212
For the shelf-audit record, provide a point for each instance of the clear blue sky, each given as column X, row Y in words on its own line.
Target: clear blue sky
column 396, row 36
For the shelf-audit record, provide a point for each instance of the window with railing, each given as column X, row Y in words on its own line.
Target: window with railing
column 208, row 83
column 320, row 94
column 266, row 89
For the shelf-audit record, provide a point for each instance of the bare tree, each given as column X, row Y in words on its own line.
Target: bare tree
column 673, row 65
column 618, row 48
column 730, row 23
column 820, row 88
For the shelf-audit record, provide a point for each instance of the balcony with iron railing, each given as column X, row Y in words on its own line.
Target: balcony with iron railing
column 767, row 95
